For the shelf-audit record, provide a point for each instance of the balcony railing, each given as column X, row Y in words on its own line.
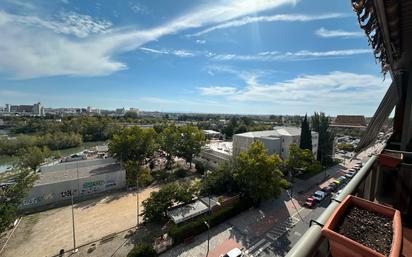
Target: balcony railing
column 374, row 182
column 312, row 243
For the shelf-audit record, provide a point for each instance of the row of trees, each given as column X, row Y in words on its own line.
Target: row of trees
column 89, row 128
column 320, row 124
column 53, row 141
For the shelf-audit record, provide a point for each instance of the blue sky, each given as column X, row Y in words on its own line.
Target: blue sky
column 230, row 56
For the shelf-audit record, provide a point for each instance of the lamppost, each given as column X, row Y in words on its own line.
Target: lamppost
column 72, row 202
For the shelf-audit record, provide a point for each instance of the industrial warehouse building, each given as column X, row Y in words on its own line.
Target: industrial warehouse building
column 276, row 141
column 83, row 179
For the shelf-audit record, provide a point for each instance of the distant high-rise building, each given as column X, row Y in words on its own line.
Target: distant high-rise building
column 136, row 110
column 120, row 111
column 38, row 109
column 7, row 108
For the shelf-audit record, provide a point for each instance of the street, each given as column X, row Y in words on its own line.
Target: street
column 274, row 227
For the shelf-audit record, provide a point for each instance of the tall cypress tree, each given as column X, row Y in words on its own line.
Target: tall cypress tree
column 320, row 124
column 305, row 135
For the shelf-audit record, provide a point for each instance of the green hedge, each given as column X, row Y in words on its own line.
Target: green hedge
column 193, row 228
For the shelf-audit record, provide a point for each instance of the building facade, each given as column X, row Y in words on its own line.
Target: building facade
column 276, row 141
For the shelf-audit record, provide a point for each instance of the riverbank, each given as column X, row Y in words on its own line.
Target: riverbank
column 6, row 162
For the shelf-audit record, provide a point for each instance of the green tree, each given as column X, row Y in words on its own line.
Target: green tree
column 220, row 181
column 320, row 124
column 32, row 157
column 301, row 161
column 142, row 250
column 133, row 144
column 191, row 142
column 346, row 147
column 156, row 205
column 169, row 140
column 12, row 195
column 305, row 135
column 257, row 174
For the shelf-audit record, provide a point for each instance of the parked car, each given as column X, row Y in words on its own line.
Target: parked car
column 319, row 196
column 333, row 186
column 350, row 174
column 326, row 189
column 352, row 170
column 310, row 202
column 235, row 252
column 357, row 167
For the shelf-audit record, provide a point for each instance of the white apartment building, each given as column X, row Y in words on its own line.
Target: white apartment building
column 276, row 141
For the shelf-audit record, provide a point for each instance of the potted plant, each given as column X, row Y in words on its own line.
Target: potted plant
column 390, row 159
column 362, row 228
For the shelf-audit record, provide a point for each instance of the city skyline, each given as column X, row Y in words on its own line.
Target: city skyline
column 238, row 57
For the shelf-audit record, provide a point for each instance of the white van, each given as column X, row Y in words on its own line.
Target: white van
column 319, row 195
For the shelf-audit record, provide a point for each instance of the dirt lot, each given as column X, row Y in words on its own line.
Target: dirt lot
column 45, row 233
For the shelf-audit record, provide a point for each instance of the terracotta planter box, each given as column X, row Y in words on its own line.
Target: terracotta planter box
column 342, row 246
column 391, row 160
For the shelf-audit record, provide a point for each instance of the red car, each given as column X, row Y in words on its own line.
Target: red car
column 310, row 202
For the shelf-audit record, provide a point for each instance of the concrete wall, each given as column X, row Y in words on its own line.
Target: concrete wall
column 272, row 144
column 46, row 194
column 241, row 143
column 73, row 165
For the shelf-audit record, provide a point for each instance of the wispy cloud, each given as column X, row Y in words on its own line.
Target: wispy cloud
column 137, row 8
column 178, row 52
column 261, row 56
column 272, row 18
column 200, row 41
column 28, row 52
column 68, row 23
column 322, row 32
column 299, row 55
column 330, row 89
column 216, row 90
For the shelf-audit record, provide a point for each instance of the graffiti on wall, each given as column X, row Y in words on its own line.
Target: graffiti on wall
column 90, row 187
column 111, row 184
column 38, row 199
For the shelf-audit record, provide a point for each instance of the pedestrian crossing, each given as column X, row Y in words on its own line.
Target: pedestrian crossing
column 271, row 237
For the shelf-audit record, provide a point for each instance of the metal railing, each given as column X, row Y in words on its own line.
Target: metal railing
column 309, row 242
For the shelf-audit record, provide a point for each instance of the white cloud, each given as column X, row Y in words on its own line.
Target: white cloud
column 216, row 90
column 137, row 8
column 331, row 88
column 176, row 52
column 334, row 92
column 200, row 41
column 262, row 56
column 299, row 55
column 32, row 47
column 272, row 18
column 68, row 23
column 322, row 32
